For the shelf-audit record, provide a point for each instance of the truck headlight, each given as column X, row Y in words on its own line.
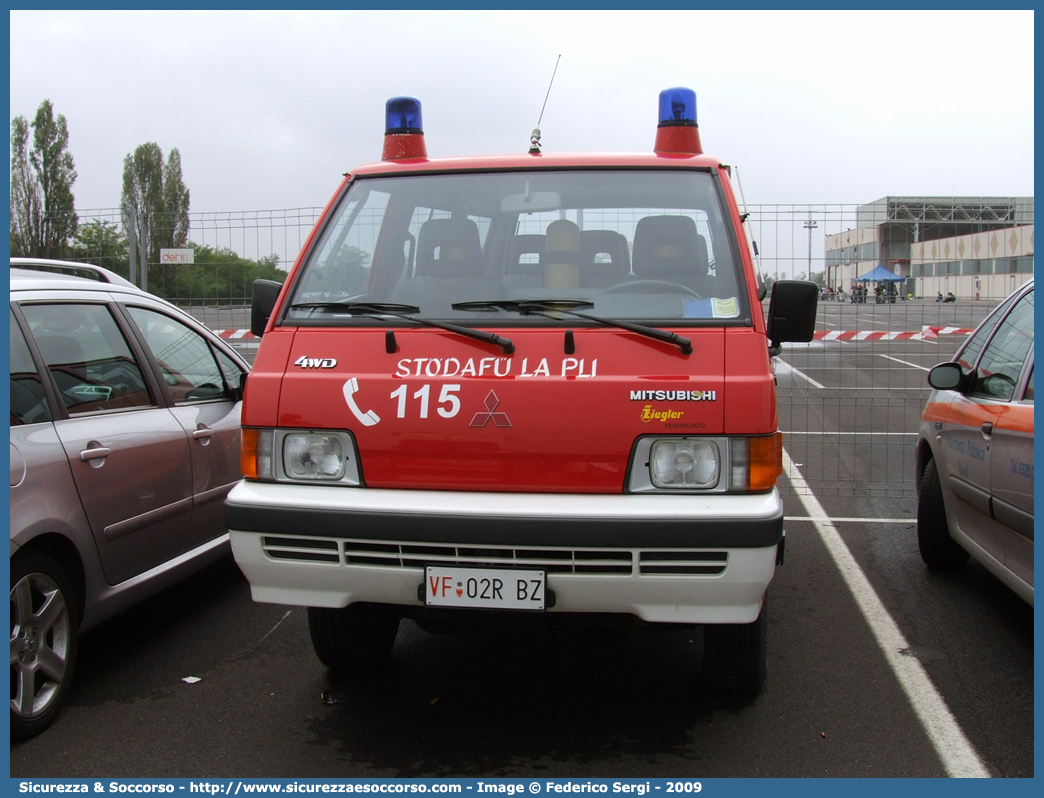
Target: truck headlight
column 313, row 455
column 684, row 463
column 294, row 455
column 706, row 464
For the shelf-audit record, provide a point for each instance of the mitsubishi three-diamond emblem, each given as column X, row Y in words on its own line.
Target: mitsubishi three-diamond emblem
column 500, row 419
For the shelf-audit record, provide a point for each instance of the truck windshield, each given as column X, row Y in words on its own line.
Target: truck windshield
column 640, row 245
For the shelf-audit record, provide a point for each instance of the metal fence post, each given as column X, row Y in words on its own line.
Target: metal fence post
column 133, row 247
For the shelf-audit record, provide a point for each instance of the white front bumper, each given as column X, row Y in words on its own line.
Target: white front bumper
column 315, row 568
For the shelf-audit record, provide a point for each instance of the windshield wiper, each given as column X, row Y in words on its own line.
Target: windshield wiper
column 401, row 312
column 549, row 307
column 359, row 308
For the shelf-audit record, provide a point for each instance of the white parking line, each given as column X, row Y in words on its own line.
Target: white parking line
column 905, row 363
column 781, row 362
column 952, row 747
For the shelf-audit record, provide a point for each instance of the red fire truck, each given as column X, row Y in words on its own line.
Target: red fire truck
column 534, row 384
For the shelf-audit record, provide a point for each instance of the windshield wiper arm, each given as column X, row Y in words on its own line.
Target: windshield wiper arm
column 401, row 312
column 548, row 307
column 360, row 308
column 524, row 305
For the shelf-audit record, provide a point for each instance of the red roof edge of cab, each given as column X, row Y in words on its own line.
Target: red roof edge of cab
column 562, row 160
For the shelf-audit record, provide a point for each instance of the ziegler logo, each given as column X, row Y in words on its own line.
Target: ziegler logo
column 315, row 362
column 648, row 414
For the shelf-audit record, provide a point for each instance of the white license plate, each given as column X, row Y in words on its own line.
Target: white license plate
column 489, row 588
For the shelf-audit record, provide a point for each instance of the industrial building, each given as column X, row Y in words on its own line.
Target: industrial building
column 973, row 247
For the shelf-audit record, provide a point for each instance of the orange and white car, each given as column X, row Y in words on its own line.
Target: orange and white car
column 975, row 451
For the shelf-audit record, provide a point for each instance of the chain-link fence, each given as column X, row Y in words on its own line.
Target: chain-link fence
column 903, row 282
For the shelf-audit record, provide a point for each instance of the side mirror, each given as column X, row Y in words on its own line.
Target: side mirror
column 792, row 312
column 262, row 302
column 946, row 377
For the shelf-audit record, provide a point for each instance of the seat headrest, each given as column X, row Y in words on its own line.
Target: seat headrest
column 668, row 247
column 60, row 350
column 449, row 248
column 600, row 274
column 525, row 245
column 562, row 236
column 607, row 242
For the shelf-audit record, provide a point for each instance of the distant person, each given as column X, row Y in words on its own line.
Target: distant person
column 939, row 297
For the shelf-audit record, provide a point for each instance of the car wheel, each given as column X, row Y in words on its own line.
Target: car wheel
column 938, row 549
column 356, row 638
column 735, row 655
column 44, row 632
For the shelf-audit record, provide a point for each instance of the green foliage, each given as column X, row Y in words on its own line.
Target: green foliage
column 154, row 204
column 218, row 276
column 43, row 213
column 346, row 271
column 103, row 244
column 174, row 233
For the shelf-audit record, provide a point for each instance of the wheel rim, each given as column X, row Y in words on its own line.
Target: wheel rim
column 41, row 638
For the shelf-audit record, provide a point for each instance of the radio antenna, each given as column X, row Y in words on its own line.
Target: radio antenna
column 534, row 138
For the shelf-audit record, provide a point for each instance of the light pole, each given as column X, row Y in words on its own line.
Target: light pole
column 810, row 225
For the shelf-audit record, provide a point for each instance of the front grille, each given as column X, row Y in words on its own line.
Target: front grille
column 388, row 554
column 301, row 549
column 417, row 555
column 682, row 562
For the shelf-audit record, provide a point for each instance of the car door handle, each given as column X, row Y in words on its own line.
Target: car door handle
column 94, row 454
column 987, row 428
column 202, row 432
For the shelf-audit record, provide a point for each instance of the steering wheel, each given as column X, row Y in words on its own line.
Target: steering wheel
column 206, row 390
column 652, row 287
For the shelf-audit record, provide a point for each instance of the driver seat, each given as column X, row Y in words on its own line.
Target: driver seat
column 669, row 249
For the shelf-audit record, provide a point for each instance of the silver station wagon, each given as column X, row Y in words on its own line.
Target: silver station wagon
column 124, row 441
column 975, row 451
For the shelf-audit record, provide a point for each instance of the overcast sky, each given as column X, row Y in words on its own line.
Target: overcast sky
column 269, row 108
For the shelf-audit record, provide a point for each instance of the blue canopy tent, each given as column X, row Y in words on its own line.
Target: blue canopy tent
column 882, row 294
column 880, row 275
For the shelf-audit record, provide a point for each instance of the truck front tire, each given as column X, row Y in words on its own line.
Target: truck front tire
column 354, row 639
column 735, row 655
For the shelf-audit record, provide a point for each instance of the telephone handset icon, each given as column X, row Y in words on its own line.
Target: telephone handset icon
column 367, row 419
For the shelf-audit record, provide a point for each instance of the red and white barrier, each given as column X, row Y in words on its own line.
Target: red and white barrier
column 235, row 334
column 927, row 333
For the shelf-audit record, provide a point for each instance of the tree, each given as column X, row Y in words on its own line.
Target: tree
column 174, row 232
column 103, row 244
column 43, row 213
column 26, row 199
column 155, row 203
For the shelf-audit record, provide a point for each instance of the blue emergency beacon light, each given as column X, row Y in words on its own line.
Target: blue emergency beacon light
column 678, row 107
column 677, row 131
column 403, row 130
